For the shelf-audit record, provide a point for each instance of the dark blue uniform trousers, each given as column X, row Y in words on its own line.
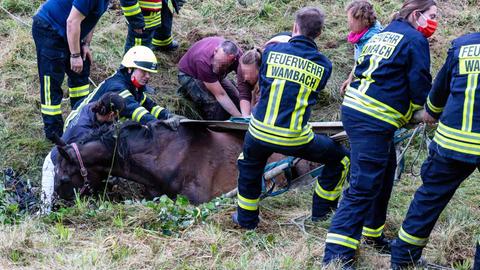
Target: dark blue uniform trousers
column 53, row 61
column 162, row 36
column 441, row 177
column 159, row 36
column 321, row 149
column 364, row 203
column 476, row 264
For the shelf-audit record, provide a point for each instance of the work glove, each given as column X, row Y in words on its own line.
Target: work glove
column 173, row 121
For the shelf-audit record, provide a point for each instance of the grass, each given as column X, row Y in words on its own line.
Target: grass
column 96, row 234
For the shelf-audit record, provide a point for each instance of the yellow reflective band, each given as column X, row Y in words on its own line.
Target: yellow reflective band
column 370, row 106
column 153, row 20
column 144, row 98
column 138, row 113
column 125, row 94
column 342, row 240
column 166, row 42
column 150, row 5
column 170, row 6
column 432, row 107
column 274, row 99
column 157, row 110
column 51, row 109
column 457, row 140
column 79, row 91
column 367, row 80
column 153, row 24
column 457, row 134
column 131, row 10
column 280, row 131
column 300, row 107
column 335, row 193
column 373, row 232
column 412, row 240
column 46, row 89
column 138, row 41
column 274, row 139
column 468, row 107
column 247, row 204
column 327, row 195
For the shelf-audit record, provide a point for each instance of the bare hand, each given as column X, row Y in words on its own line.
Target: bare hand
column 87, row 53
column 343, row 88
column 76, row 64
column 428, row 119
column 138, row 31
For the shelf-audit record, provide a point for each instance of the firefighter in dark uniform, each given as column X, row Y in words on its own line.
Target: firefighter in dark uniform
column 455, row 149
column 476, row 263
column 392, row 80
column 62, row 31
column 129, row 82
column 150, row 23
column 291, row 75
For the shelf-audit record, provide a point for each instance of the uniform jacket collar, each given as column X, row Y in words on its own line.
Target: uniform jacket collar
column 303, row 39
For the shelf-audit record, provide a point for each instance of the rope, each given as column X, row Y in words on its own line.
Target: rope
column 113, row 158
column 15, row 17
column 425, row 141
column 410, row 140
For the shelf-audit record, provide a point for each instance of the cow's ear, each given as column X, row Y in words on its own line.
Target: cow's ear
column 62, row 150
column 58, row 141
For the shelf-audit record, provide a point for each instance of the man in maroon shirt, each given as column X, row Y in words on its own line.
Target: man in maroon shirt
column 202, row 76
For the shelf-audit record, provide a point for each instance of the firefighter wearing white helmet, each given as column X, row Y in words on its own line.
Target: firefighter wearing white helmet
column 130, row 82
column 140, row 57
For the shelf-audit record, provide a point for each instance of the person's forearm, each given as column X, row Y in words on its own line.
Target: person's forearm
column 228, row 105
column 73, row 35
column 245, row 107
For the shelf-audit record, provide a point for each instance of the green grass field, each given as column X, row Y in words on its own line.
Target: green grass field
column 168, row 235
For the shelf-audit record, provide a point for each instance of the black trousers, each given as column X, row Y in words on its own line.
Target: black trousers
column 53, row 61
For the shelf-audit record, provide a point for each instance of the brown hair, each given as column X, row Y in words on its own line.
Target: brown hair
column 410, row 6
column 310, row 21
column 253, row 56
column 363, row 11
column 109, row 102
